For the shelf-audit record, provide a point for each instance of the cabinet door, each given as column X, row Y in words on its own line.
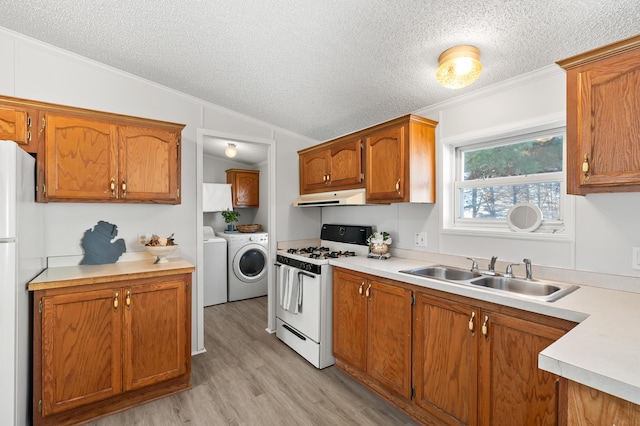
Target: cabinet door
column 149, row 168
column 386, row 154
column 245, row 188
column 81, row 158
column 81, row 349
column 314, row 171
column 345, row 160
column 512, row 389
column 445, row 359
column 154, row 332
column 389, row 336
column 349, row 318
column 19, row 125
column 603, row 107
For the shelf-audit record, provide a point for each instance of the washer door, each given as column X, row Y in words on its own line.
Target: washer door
column 250, row 263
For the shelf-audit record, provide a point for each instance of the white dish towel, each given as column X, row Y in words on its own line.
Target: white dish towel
column 290, row 289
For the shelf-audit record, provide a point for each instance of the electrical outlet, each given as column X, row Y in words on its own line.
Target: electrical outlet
column 635, row 257
column 423, row 239
column 420, row 239
column 143, row 238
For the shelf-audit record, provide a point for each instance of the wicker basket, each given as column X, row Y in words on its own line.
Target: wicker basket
column 249, row 228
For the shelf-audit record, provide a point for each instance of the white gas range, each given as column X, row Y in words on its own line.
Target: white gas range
column 304, row 315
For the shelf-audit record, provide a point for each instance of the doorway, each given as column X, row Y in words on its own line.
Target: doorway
column 208, row 142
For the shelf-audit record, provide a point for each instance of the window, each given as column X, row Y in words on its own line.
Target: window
column 493, row 176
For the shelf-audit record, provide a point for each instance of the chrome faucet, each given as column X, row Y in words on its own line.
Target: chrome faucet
column 509, row 272
column 527, row 267
column 474, row 265
column 492, row 264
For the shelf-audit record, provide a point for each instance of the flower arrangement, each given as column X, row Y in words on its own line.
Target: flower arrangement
column 379, row 238
column 230, row 216
column 379, row 242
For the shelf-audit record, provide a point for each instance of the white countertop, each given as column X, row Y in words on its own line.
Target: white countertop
column 602, row 351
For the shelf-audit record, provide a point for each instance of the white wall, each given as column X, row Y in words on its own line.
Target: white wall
column 35, row 70
column 606, row 226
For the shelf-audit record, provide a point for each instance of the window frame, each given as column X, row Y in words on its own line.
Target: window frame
column 554, row 230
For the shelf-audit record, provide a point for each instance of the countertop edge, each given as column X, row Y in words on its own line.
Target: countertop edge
column 70, row 276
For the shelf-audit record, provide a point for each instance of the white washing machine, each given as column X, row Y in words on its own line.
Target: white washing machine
column 214, row 268
column 247, row 261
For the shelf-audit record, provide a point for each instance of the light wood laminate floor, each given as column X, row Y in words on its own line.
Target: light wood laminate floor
column 249, row 377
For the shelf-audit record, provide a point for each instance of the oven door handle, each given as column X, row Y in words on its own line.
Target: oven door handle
column 305, row 274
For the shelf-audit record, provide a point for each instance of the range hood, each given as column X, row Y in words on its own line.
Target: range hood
column 351, row 197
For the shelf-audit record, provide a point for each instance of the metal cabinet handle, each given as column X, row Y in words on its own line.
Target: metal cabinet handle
column 485, row 327
column 398, row 186
column 113, row 187
column 28, row 135
column 360, row 289
column 124, row 187
column 115, row 302
column 368, row 292
column 127, row 301
column 471, row 322
column 585, row 167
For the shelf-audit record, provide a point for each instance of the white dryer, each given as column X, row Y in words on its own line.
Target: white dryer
column 215, row 268
column 248, row 257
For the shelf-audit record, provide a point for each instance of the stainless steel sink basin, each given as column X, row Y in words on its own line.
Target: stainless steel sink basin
column 535, row 289
column 443, row 273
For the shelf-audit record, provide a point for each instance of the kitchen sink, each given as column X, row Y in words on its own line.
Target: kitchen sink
column 443, row 272
column 530, row 288
column 533, row 289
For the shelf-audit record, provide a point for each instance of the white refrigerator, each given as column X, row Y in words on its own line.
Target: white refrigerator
column 21, row 259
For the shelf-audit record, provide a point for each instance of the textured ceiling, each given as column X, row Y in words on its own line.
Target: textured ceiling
column 320, row 68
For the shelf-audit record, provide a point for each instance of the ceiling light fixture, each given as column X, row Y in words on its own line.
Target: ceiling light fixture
column 459, row 66
column 231, row 150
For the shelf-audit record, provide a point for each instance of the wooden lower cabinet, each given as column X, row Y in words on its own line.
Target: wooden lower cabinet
column 466, row 362
column 372, row 329
column 445, row 359
column 588, row 406
column 104, row 347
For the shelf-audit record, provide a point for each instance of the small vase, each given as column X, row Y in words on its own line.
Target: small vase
column 378, row 248
column 231, row 227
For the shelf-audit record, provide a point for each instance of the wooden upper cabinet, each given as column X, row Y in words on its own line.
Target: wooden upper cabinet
column 20, row 125
column 93, row 156
column 245, row 187
column 148, row 164
column 333, row 166
column 603, row 106
column 400, row 161
column 81, row 159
